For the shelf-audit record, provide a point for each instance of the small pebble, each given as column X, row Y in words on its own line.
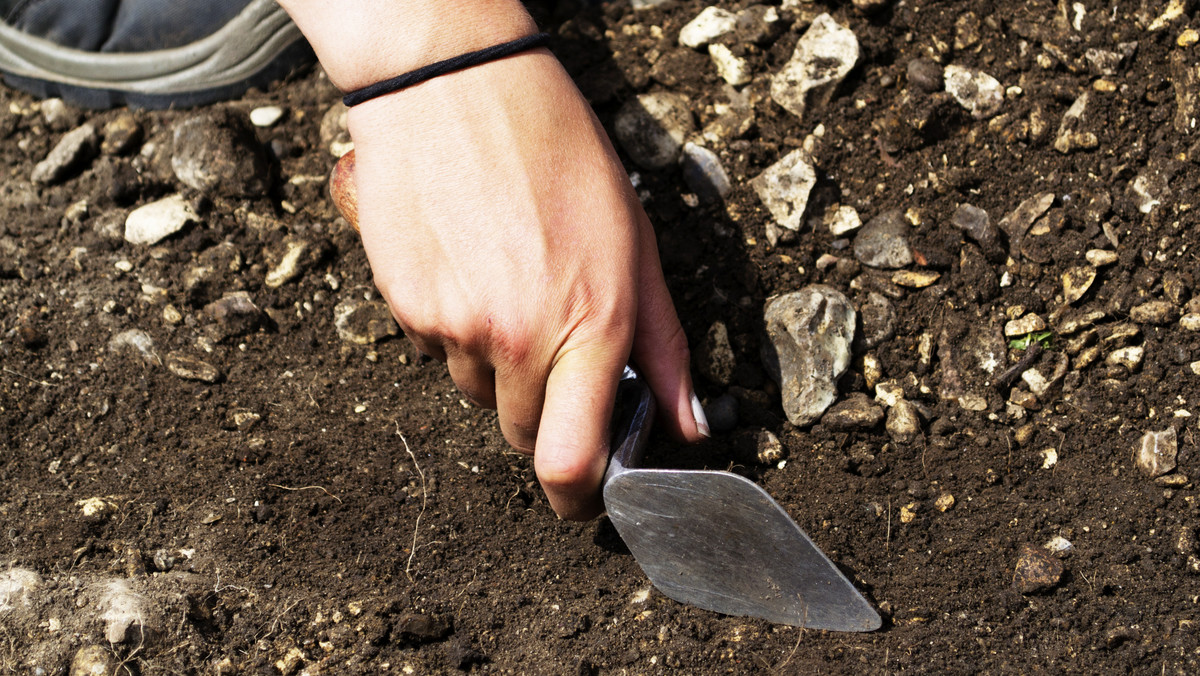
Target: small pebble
column 1156, row 452
column 944, row 502
column 154, row 222
column 708, row 25
column 976, row 91
column 1076, row 282
column 1129, row 357
column 189, row 368
column 1058, row 545
column 1036, row 570
column 770, row 450
column 903, row 422
column 722, row 413
column 364, row 322
column 842, row 220
column 732, row 68
column 92, row 660
column 857, row 411
column 915, row 279
column 1025, row 325
column 266, row 116
column 1156, row 312
column 1101, row 257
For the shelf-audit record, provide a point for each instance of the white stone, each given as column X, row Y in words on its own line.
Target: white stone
column 973, row 402
column 784, row 188
column 1174, row 10
column 16, row 584
column 266, row 116
column 811, row 331
column 138, row 341
column 156, row 221
column 732, row 69
column 126, row 615
column 1058, row 545
column 93, row 508
column 708, row 25
column 1129, row 357
column 289, row 264
column 889, row 392
column 1036, row 381
column 1101, row 257
column 1156, row 452
column 339, row 148
column 1149, row 190
column 842, row 220
column 976, row 91
column 1049, row 458
column 825, row 54
column 1027, row 324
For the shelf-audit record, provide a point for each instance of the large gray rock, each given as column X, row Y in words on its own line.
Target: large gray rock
column 652, row 128
column 883, row 242
column 825, row 54
column 810, row 334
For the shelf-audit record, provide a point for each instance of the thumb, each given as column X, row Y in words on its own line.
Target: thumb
column 572, row 442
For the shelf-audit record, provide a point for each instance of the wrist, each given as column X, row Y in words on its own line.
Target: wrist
column 360, row 42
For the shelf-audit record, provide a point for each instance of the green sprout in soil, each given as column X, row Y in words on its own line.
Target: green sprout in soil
column 1043, row 338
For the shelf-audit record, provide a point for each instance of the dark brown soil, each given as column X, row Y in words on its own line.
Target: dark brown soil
column 370, row 520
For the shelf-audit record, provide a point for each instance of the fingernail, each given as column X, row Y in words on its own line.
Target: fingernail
column 701, row 419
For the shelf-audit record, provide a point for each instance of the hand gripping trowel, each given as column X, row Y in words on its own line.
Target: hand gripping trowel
column 714, row 540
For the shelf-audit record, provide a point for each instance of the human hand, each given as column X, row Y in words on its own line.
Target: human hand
column 504, row 234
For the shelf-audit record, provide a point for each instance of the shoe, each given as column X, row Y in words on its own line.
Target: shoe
column 146, row 53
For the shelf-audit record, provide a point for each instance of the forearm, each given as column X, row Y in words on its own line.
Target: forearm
column 360, row 42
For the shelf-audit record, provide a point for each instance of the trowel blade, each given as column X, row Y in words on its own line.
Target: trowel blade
column 718, row 541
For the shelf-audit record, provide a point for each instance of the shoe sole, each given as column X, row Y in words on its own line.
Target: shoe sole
column 260, row 44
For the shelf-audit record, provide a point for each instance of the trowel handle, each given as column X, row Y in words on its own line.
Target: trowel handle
column 632, row 416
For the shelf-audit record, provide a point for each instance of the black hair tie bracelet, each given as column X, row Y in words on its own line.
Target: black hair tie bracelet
column 442, row 67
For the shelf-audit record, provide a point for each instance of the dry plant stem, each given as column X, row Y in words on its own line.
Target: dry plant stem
column 1013, row 372
column 305, row 488
column 424, row 502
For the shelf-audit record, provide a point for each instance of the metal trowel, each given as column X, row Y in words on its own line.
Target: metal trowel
column 717, row 540
column 710, row 539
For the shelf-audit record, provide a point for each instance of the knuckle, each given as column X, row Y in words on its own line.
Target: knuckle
column 675, row 346
column 509, row 344
column 603, row 312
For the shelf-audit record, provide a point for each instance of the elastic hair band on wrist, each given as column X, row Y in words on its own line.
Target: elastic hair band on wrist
column 442, row 67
